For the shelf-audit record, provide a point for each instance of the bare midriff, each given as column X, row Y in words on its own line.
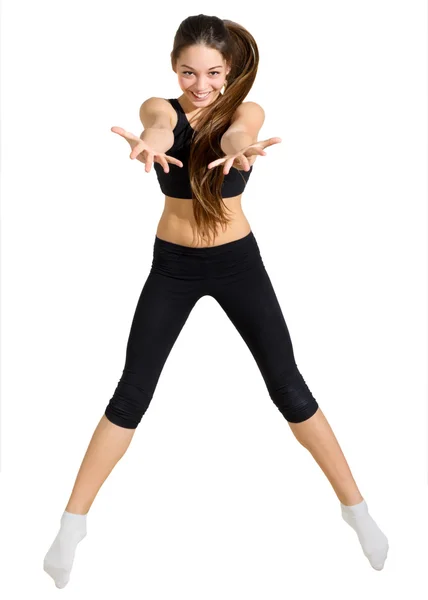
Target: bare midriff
column 177, row 223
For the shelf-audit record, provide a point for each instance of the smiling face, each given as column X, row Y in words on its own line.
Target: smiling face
column 201, row 70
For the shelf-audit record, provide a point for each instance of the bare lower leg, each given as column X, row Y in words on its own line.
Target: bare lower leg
column 108, row 444
column 316, row 435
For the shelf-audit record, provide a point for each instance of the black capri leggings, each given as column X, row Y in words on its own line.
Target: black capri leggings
column 233, row 274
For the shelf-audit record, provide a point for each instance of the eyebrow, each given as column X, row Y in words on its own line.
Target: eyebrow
column 216, row 67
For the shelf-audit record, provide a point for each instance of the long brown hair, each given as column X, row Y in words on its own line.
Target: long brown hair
column 239, row 50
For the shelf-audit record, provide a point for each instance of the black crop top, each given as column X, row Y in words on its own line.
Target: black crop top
column 176, row 183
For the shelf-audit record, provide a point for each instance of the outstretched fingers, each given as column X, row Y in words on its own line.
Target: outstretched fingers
column 257, row 146
column 163, row 160
column 273, row 140
column 118, row 130
column 137, row 150
column 126, row 134
column 241, row 159
column 215, row 163
column 259, row 151
column 173, row 160
column 227, row 165
column 149, row 161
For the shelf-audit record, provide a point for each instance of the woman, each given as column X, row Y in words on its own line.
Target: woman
column 204, row 245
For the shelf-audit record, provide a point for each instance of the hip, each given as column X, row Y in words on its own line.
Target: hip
column 225, row 261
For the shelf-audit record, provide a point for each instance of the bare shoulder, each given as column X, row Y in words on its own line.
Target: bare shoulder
column 159, row 111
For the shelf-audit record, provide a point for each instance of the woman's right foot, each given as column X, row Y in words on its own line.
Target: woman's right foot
column 59, row 559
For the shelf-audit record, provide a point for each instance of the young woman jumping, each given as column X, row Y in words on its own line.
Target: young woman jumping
column 203, row 146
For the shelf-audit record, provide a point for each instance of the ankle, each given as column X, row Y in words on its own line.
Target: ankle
column 77, row 509
column 351, row 499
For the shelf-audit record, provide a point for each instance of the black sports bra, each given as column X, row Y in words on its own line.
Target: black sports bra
column 176, row 183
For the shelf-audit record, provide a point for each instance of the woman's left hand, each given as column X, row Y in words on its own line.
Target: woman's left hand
column 239, row 160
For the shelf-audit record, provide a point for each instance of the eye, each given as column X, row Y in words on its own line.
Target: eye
column 216, row 72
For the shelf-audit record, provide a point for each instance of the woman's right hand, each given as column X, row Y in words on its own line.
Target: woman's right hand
column 144, row 153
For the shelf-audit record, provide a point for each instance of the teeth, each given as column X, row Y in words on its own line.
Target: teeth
column 200, row 95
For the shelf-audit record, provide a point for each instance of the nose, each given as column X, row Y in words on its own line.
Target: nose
column 202, row 85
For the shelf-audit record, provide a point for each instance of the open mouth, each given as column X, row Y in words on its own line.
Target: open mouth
column 200, row 96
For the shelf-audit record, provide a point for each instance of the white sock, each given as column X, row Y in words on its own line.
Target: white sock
column 59, row 559
column 373, row 542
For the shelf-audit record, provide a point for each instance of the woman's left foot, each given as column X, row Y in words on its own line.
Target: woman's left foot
column 373, row 542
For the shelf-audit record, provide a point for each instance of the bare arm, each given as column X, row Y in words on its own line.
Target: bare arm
column 244, row 128
column 157, row 124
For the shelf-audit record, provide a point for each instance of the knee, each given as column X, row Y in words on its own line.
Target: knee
column 293, row 398
column 129, row 402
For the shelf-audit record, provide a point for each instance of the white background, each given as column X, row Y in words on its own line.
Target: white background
column 215, row 498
